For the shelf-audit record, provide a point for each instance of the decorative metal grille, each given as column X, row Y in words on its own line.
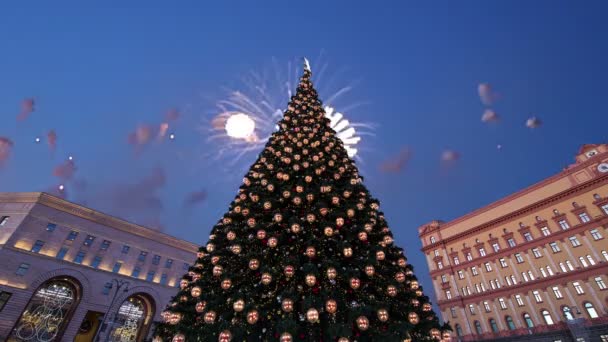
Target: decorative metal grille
column 129, row 321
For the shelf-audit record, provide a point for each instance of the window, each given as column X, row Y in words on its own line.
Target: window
column 591, row 310
column 519, row 258
column 519, row 300
column 600, row 283
column 528, row 236
column 453, row 312
column 530, row 275
column 150, row 276
column 584, row 217
column 528, row 320
column 574, row 241
column 125, row 249
column 72, row 235
column 510, row 323
column 583, row 261
column 570, row 267
column 472, row 309
column 591, row 261
column 79, row 257
column 545, row 231
column 605, row 254
column 557, row 293
column 106, row 288
column 525, row 276
column 458, row 330
column 185, row 266
column 156, row 260
column 439, row 265
column 433, row 240
column 477, row 288
column 62, row 252
column 469, row 256
column 604, row 208
column 595, row 234
column 488, row 267
column 50, row 227
column 105, row 245
column 511, row 242
column 497, row 283
column 96, row 261
column 142, row 256
column 116, row 267
column 474, row 271
column 536, row 252
column 89, row 240
column 549, row 270
column 163, row 279
column 492, row 284
column 436, row 252
column 513, row 279
column 537, row 296
column 547, row 317
column 461, row 274
column 543, row 273
column 4, row 297
column 168, row 263
column 496, row 247
column 478, row 328
column 444, row 278
column 22, row 269
column 503, row 303
column 464, row 291
column 563, row 224
column 503, row 262
column 567, row 313
column 563, row 267
column 508, row 280
column 37, row 246
column 493, row 325
column 482, row 252
column 578, row 288
column 135, row 272
column 483, row 287
column 3, row 220
column 554, row 247
column 448, row 294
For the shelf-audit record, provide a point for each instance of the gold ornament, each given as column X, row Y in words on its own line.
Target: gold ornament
column 311, row 251
column 355, row 283
column 435, row 333
column 238, row 305
column 261, row 234
column 183, row 284
column 362, row 236
column 382, row 315
column 331, row 273
column 312, row 315
column 287, row 305
column 412, row 317
column 179, row 338
column 225, row 336
column 348, row 252
column 414, row 285
column 391, row 290
column 426, row 307
column 266, row 278
column 362, row 323
column 253, row 316
column 286, row 337
column 328, row 231
column 195, row 292
column 210, row 247
column 272, row 242
column 400, row 277
column 289, row 270
column 200, row 306
column 226, row 284
column 380, row 255
column 236, row 249
column 370, row 270
column 311, row 280
column 331, row 306
column 295, row 228
column 218, row 270
column 254, row 264
column 210, row 317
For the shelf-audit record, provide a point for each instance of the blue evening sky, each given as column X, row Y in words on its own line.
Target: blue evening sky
column 96, row 71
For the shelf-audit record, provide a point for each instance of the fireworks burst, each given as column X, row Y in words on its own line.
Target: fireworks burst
column 246, row 118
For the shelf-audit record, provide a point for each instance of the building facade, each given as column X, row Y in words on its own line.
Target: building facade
column 533, row 264
column 65, row 267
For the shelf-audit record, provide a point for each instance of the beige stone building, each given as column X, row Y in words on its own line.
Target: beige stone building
column 533, row 264
column 61, row 265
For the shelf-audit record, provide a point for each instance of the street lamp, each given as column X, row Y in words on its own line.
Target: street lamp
column 120, row 283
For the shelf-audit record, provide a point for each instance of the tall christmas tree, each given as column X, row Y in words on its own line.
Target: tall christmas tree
column 303, row 253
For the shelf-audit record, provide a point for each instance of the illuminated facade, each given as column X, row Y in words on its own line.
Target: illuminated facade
column 533, row 264
column 62, row 264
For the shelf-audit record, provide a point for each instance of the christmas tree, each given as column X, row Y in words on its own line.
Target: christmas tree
column 303, row 253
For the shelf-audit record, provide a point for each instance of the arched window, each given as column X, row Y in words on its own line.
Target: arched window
column 547, row 317
column 133, row 319
column 555, row 212
column 458, row 330
column 591, row 310
column 567, row 313
column 538, row 218
column 528, row 320
column 48, row 312
column 433, row 240
column 574, row 205
column 493, row 325
column 597, row 197
column 510, row 323
column 478, row 328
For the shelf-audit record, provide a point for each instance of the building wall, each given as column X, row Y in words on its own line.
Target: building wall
column 29, row 216
column 493, row 263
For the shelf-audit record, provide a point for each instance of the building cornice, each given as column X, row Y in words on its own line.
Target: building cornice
column 54, row 202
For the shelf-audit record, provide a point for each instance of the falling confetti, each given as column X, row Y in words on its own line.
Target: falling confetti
column 27, row 107
column 533, row 122
column 449, row 156
column 397, row 163
column 61, row 187
column 70, row 158
column 6, row 146
column 172, row 136
column 37, row 140
column 163, row 129
column 489, row 115
column 486, row 94
column 65, row 170
column 195, row 198
column 51, row 138
column 172, row 115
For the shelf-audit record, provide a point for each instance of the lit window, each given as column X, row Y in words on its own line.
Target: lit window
column 578, row 288
column 433, row 240
column 478, row 329
column 163, row 279
column 483, row 287
column 583, row 261
column 461, row 274
column 503, row 303
column 497, row 283
column 472, row 309
column 570, row 267
column 22, row 269
column 543, row 273
column 595, row 233
column 117, row 267
column 468, row 290
column 492, row 284
column 459, row 330
column 168, row 263
column 536, row 252
column 4, row 297
column 488, row 267
column 557, row 293
column 574, row 241
column 436, row 252
column 156, row 260
column 513, row 279
column 584, row 217
column 503, row 262
column 89, row 240
column 456, row 261
column 554, row 247
column 486, row 305
column 106, row 288
column 72, row 235
column 591, row 310
column 482, row 252
column 135, row 272
column 125, row 249
column 508, row 280
column 519, row 300
column 37, row 246
column 493, row 325
column 563, row 267
column 477, row 288
column 50, row 227
column 590, row 259
column 605, row 209
column 525, row 276
column 453, row 312
column 528, row 320
column 511, row 242
column 105, row 245
column 519, row 258
column 142, row 256
column 96, row 261
column 150, row 276
column 79, row 257
column 448, row 294
column 510, row 323
column 496, row 247
column 600, row 283
column 464, row 291
column 474, row 270
column 469, row 256
column 563, row 224
column 547, row 317
column 605, row 254
column 528, row 236
column 439, row 265
column 62, row 252
column 444, row 278
column 3, row 220
column 545, row 231
column 537, row 296
column 549, row 270
column 530, row 275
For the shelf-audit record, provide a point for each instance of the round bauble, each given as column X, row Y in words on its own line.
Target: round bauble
column 225, row 336
column 382, row 315
column 311, row 280
column 331, row 306
column 226, row 284
column 178, row 338
column 287, row 305
column 362, row 323
column 196, row 292
column 253, row 316
column 312, row 315
column 238, row 305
